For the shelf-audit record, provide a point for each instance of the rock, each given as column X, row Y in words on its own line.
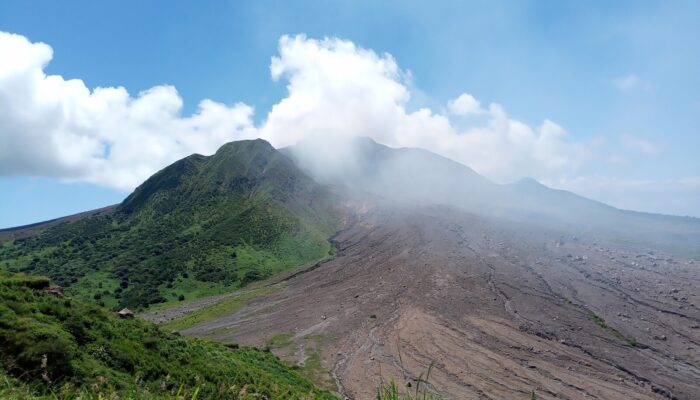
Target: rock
column 54, row 290
column 125, row 313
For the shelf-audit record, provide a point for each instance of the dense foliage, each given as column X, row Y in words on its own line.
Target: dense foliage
column 52, row 343
column 200, row 226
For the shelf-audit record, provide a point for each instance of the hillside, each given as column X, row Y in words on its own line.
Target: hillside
column 502, row 288
column 202, row 225
column 67, row 346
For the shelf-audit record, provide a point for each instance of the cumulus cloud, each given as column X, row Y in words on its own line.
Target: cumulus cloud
column 465, row 104
column 337, row 88
column 51, row 126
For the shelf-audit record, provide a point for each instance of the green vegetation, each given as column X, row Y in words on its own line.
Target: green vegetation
column 612, row 331
column 202, row 226
column 221, row 308
column 312, row 367
column 14, row 389
column 280, row 340
column 53, row 346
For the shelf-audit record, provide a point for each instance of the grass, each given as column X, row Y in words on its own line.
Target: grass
column 96, row 284
column 280, row 340
column 612, row 331
column 391, row 391
column 224, row 307
column 313, row 367
column 57, row 347
column 14, row 389
column 191, row 289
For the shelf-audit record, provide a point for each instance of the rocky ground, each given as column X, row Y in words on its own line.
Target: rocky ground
column 499, row 309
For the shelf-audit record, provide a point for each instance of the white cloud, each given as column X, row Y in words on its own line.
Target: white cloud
column 50, row 126
column 337, row 88
column 465, row 104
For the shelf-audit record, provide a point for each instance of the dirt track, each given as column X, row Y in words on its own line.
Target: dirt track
column 501, row 308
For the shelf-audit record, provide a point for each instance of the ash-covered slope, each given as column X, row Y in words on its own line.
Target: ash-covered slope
column 500, row 308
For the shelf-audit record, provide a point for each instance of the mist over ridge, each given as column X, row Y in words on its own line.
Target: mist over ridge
column 410, row 176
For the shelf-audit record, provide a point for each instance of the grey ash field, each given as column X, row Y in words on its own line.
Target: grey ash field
column 394, row 261
column 501, row 308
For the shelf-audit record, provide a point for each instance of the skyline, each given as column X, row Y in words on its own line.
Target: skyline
column 597, row 100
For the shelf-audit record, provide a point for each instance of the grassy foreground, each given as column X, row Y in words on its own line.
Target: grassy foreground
column 53, row 346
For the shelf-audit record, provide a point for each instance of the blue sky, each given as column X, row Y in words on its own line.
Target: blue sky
column 621, row 79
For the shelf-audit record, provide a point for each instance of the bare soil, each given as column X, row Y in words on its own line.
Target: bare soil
column 500, row 308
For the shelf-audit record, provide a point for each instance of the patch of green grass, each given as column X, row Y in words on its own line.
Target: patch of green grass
column 312, row 368
column 612, row 331
column 14, row 389
column 98, row 286
column 192, row 289
column 224, row 307
column 280, row 340
column 391, row 391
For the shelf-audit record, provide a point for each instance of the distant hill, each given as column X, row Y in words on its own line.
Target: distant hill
column 199, row 226
column 23, row 231
column 415, row 175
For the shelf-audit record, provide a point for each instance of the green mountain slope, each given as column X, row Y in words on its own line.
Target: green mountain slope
column 69, row 348
column 200, row 226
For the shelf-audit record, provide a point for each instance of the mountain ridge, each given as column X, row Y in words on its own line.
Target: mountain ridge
column 419, row 175
column 221, row 221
